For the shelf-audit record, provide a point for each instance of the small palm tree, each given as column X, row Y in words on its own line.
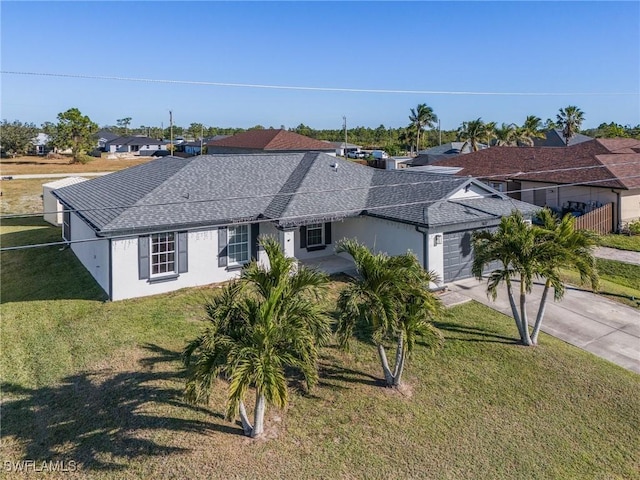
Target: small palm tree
column 420, row 118
column 531, row 129
column 259, row 326
column 472, row 133
column 570, row 120
column 505, row 135
column 391, row 295
column 490, row 132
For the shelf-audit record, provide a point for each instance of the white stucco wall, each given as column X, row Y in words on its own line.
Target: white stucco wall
column 630, row 205
column 556, row 196
column 473, row 191
column 94, row 255
column 381, row 235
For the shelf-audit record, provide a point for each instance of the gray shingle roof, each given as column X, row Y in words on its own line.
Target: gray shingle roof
column 291, row 189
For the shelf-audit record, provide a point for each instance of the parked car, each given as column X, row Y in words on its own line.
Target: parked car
column 379, row 154
column 356, row 154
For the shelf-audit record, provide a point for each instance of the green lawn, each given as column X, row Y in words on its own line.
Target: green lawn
column 101, row 383
column 622, row 242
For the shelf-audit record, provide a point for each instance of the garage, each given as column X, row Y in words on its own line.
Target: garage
column 458, row 255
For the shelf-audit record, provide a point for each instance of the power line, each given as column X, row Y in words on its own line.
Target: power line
column 315, row 89
column 334, row 190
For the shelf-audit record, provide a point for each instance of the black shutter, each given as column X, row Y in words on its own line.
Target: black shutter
column 255, row 231
column 303, row 237
column 327, row 233
column 222, row 246
column 183, row 256
column 66, row 225
column 143, row 257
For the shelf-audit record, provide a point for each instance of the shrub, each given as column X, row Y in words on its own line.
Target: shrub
column 83, row 158
column 634, row 227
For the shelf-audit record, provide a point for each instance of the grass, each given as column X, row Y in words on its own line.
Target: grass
column 21, row 196
column 44, row 165
column 101, row 383
column 622, row 242
column 619, row 281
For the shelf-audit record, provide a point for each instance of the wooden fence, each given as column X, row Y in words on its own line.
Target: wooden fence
column 599, row 220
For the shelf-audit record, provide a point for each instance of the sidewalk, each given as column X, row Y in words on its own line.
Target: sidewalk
column 625, row 256
column 593, row 323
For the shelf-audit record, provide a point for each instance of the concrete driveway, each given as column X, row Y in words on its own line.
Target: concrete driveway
column 591, row 322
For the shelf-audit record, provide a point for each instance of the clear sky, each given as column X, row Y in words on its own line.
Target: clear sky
column 532, row 47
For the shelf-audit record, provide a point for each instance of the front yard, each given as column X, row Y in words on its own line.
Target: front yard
column 101, row 384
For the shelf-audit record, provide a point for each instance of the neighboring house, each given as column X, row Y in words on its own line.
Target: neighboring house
column 441, row 152
column 588, row 174
column 52, row 207
column 343, row 148
column 269, row 140
column 191, row 148
column 184, row 222
column 105, row 136
column 554, row 138
column 135, row 145
column 41, row 144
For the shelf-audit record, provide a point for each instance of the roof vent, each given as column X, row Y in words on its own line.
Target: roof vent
column 334, row 166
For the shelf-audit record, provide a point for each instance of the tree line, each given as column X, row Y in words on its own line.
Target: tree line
column 77, row 132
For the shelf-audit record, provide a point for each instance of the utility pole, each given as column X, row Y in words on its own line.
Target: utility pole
column 171, row 130
column 201, row 138
column 344, row 151
column 439, row 133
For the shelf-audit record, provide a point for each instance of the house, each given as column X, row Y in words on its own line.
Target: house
column 269, row 140
column 582, row 177
column 41, row 144
column 183, row 222
column 103, row 136
column 446, row 150
column 51, row 206
column 191, row 148
column 343, row 148
column 555, row 138
column 136, row 145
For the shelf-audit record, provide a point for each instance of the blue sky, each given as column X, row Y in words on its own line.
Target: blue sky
column 553, row 47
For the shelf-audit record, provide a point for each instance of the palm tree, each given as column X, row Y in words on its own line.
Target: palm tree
column 531, row 128
column 421, row 117
column 527, row 253
column 571, row 248
column 260, row 326
column 505, row 135
column 472, row 133
column 391, row 295
column 570, row 120
column 490, row 132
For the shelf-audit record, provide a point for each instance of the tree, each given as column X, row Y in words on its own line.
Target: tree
column 195, row 130
column 570, row 120
column 391, row 295
column 123, row 125
column 531, row 129
column 260, row 327
column 505, row 135
column 420, row 118
column 74, row 131
column 490, row 132
column 526, row 253
column 17, row 137
column 472, row 133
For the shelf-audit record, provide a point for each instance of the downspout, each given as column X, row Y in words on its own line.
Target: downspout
column 425, row 253
column 618, row 222
column 110, row 292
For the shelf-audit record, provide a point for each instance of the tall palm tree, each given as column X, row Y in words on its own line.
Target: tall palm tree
column 531, row 129
column 420, row 118
column 505, row 135
column 570, row 120
column 472, row 133
column 570, row 248
column 260, row 326
column 490, row 132
column 391, row 295
column 527, row 253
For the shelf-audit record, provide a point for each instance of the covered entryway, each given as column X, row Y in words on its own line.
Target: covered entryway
column 458, row 255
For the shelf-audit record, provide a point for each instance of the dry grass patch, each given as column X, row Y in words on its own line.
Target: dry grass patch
column 44, row 165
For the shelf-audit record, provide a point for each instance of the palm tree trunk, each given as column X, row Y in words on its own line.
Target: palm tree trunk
column 258, row 423
column 247, row 428
column 400, row 359
column 541, row 310
column 399, row 349
column 526, row 339
column 514, row 309
column 388, row 376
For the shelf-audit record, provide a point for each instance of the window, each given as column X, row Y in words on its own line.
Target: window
column 163, row 253
column 238, row 244
column 314, row 235
column 66, row 225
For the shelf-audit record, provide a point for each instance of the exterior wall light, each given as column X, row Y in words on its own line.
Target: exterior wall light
column 437, row 240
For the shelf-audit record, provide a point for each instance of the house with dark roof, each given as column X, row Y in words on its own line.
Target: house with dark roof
column 136, row 145
column 184, row 222
column 269, row 140
column 440, row 152
column 554, row 138
column 579, row 177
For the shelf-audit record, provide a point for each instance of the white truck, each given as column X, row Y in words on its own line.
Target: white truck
column 379, row 155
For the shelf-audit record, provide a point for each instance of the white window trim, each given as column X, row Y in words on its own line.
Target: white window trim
column 315, row 226
column 230, row 261
column 175, row 256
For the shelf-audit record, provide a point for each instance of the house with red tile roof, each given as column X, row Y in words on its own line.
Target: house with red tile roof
column 270, row 141
column 587, row 174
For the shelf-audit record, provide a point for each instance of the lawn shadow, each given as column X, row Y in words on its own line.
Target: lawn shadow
column 101, row 421
column 334, row 372
column 486, row 335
